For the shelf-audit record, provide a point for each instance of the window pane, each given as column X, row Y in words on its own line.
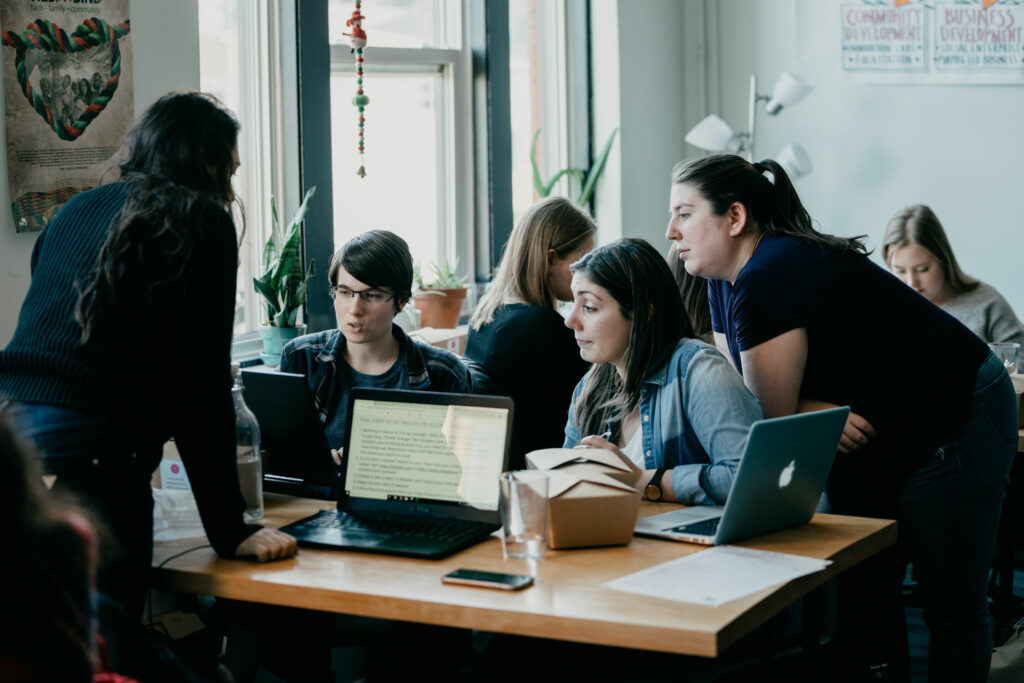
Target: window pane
column 537, row 85
column 392, row 23
column 220, row 47
column 405, row 186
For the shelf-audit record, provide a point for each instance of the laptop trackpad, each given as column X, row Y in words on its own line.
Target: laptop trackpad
column 670, row 520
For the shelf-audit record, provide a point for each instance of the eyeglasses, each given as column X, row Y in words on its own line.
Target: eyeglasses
column 369, row 296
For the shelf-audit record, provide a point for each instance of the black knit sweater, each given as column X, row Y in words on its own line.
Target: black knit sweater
column 159, row 367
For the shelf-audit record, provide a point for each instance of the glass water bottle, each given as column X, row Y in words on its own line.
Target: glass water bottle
column 247, row 443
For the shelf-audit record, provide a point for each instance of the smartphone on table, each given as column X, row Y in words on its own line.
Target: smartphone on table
column 476, row 577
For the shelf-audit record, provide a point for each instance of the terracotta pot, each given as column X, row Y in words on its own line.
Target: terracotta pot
column 440, row 308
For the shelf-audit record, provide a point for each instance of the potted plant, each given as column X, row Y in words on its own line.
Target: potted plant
column 283, row 285
column 586, row 179
column 440, row 300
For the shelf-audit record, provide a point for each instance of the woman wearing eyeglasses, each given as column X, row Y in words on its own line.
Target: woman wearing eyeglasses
column 371, row 280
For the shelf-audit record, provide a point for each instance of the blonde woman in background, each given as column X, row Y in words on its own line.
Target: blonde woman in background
column 516, row 334
column 917, row 251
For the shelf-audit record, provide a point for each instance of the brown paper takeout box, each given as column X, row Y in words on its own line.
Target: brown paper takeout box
column 588, row 508
column 573, row 460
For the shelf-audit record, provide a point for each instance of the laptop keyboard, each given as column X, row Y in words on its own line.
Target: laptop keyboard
column 706, row 527
column 432, row 529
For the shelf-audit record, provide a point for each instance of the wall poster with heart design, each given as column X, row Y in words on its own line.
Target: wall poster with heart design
column 67, row 99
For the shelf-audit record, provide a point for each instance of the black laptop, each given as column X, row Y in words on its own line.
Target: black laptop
column 297, row 459
column 420, row 474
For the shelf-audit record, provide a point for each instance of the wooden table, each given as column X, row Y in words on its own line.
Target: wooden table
column 566, row 602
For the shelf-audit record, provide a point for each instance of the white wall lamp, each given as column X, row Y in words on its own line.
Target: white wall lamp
column 714, row 135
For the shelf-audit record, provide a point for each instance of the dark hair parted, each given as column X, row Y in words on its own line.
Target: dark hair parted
column 693, row 290
column 379, row 259
column 772, row 203
column 178, row 161
column 638, row 278
column 919, row 225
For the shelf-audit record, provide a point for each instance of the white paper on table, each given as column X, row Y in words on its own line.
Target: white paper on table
column 717, row 575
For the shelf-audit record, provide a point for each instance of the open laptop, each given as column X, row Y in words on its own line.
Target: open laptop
column 420, row 472
column 297, row 458
column 777, row 486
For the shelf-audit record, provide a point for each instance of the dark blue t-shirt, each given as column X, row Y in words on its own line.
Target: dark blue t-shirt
column 396, row 377
column 874, row 344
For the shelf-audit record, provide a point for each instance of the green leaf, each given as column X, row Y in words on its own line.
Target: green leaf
column 571, row 172
column 283, row 284
column 269, row 295
column 590, row 184
column 538, row 182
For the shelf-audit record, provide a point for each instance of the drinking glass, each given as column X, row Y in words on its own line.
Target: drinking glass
column 524, row 514
column 1008, row 353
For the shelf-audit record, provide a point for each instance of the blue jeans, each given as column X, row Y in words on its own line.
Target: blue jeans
column 96, row 466
column 948, row 515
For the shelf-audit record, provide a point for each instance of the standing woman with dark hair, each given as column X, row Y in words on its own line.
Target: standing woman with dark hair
column 811, row 322
column 670, row 404
column 917, row 251
column 517, row 335
column 371, row 280
column 104, row 365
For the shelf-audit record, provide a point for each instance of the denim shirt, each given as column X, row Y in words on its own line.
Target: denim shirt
column 428, row 368
column 695, row 414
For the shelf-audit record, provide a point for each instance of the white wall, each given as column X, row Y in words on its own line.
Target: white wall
column 878, row 148
column 638, row 50
column 165, row 50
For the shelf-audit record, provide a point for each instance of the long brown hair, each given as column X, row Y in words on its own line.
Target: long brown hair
column 637, row 277
column 919, row 225
column 553, row 223
column 178, row 161
column 765, row 190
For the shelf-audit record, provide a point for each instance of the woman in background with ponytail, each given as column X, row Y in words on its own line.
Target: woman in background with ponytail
column 811, row 322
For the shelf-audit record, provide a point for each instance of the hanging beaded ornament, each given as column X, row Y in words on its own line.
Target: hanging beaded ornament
column 357, row 39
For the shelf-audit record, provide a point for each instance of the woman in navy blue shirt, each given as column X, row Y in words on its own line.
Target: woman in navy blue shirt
column 811, row 322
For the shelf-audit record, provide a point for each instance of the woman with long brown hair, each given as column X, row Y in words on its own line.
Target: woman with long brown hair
column 917, row 251
column 124, row 340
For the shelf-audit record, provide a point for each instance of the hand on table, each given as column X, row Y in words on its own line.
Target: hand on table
column 266, row 545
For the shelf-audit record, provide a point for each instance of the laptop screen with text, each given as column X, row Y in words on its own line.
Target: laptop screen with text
column 423, row 453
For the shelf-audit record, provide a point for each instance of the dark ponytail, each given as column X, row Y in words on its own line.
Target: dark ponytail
column 765, row 190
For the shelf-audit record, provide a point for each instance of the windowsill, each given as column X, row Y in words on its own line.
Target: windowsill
column 246, row 348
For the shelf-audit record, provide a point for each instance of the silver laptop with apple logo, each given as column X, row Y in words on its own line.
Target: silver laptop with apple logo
column 777, row 485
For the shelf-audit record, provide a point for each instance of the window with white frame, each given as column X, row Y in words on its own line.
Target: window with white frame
column 239, row 52
column 418, row 128
column 549, row 94
column 423, row 175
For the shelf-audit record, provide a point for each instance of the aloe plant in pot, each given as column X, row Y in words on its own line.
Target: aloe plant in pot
column 439, row 301
column 283, row 284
